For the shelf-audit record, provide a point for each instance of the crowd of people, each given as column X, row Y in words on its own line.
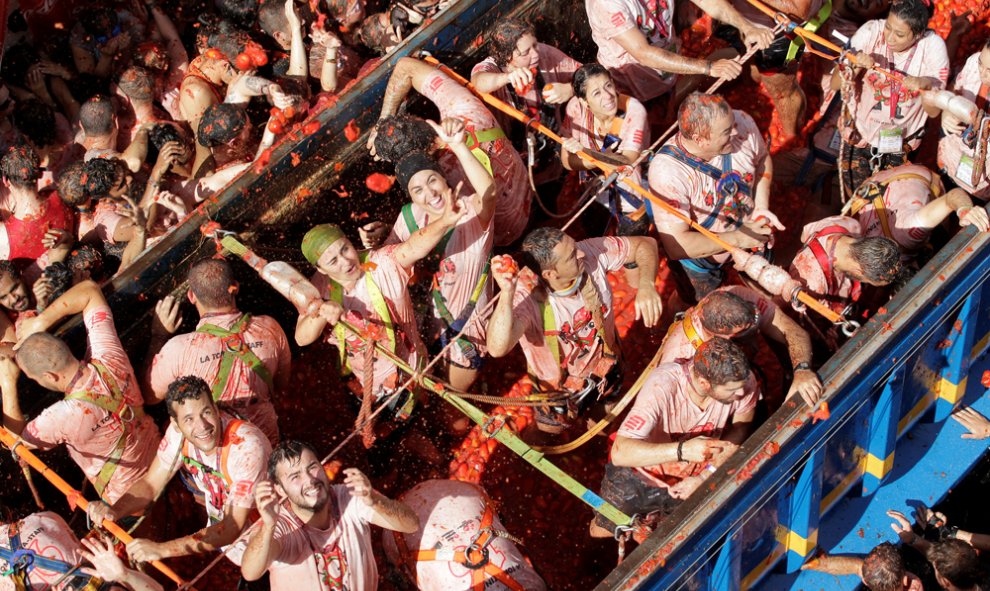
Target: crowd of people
column 118, row 120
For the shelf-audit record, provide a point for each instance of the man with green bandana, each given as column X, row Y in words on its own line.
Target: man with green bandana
column 369, row 290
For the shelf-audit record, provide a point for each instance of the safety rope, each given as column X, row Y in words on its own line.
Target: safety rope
column 74, row 497
column 800, row 296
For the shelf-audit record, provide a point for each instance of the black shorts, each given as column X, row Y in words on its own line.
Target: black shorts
column 772, row 60
column 630, row 493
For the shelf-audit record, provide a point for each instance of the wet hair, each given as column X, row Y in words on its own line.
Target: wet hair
column 60, row 276
column 878, row 257
column 243, row 13
column 504, row 37
column 399, row 135
column 220, row 123
column 288, row 450
column 186, row 388
column 913, row 12
column 43, row 353
column 723, row 311
column 21, row 166
column 883, row 568
column 957, row 562
column 8, row 269
column 158, row 136
column 137, row 83
column 211, row 281
column 584, row 74
column 271, row 18
column 102, row 175
column 86, row 259
column 372, row 33
column 70, row 184
column 96, row 115
column 36, row 121
column 227, row 38
column 539, row 244
column 697, row 112
column 721, row 361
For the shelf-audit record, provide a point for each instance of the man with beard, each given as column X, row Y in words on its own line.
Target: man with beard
column 223, row 457
column 314, row 535
column 690, row 416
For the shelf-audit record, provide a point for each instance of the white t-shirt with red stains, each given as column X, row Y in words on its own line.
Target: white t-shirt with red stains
column 951, row 148
column 579, row 343
column 809, row 271
column 235, row 466
column 200, row 354
column 359, row 310
column 677, row 345
column 655, row 20
column 460, row 270
column 450, row 514
column 693, row 192
column 91, row 433
column 510, row 173
column 47, row 535
column 665, row 413
column 872, row 105
column 337, row 558
column 903, row 201
column 633, row 134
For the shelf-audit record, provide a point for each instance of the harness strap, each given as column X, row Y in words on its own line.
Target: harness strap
column 378, row 304
column 223, row 472
column 116, row 405
column 811, row 25
column 235, row 349
column 692, row 334
column 551, row 331
column 21, row 561
column 823, row 260
column 474, row 139
column 872, row 192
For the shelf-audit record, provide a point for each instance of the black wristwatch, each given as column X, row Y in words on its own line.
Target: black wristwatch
column 804, row 365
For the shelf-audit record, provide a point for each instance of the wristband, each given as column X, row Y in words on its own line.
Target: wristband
column 708, row 68
column 680, row 451
column 803, row 366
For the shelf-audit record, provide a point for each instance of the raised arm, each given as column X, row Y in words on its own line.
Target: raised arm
column 298, row 62
column 262, row 548
column 13, row 417
column 81, row 297
column 408, row 74
column 451, row 131
column 424, row 240
column 753, row 35
column 386, row 513
column 504, row 328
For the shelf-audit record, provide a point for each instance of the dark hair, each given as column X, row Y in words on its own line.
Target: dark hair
column 399, row 135
column 8, row 269
column 60, row 276
column 697, row 112
column 158, row 136
column 70, row 186
column 883, row 568
column 503, row 39
column 243, row 13
column 723, row 311
column 584, row 74
column 287, row 450
column 539, row 244
column 137, row 83
column 186, row 388
column 878, row 257
column 21, row 166
column 271, row 18
column 227, row 38
column 36, row 121
column 87, row 259
column 721, row 361
column 211, row 281
column 96, row 115
column 916, row 13
column 372, row 34
column 220, row 123
column 957, row 562
column 85, row 86
column 102, row 175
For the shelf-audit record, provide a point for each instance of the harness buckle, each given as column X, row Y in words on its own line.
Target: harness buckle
column 876, row 159
column 492, row 426
column 476, row 548
column 127, row 415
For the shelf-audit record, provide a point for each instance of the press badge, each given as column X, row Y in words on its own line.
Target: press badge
column 836, row 142
column 891, row 141
column 964, row 172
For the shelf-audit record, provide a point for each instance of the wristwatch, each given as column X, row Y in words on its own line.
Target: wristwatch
column 803, row 366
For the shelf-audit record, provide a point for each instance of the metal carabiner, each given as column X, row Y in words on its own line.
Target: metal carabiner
column 849, row 327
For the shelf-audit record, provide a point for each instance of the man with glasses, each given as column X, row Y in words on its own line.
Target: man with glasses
column 738, row 313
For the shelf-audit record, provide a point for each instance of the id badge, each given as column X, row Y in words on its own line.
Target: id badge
column 891, row 141
column 964, row 172
column 835, row 143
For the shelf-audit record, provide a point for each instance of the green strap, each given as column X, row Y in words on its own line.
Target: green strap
column 116, row 405
column 378, row 304
column 409, row 218
column 234, row 349
column 474, row 139
column 813, row 24
column 550, row 330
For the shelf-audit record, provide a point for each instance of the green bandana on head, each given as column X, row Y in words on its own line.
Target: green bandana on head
column 318, row 240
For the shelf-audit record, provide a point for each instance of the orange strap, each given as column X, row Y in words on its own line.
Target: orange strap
column 688, row 325
column 473, row 556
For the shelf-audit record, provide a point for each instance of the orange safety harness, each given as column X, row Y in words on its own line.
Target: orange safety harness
column 475, row 558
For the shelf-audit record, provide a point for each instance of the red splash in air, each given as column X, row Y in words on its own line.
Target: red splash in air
column 379, row 183
column 352, row 132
